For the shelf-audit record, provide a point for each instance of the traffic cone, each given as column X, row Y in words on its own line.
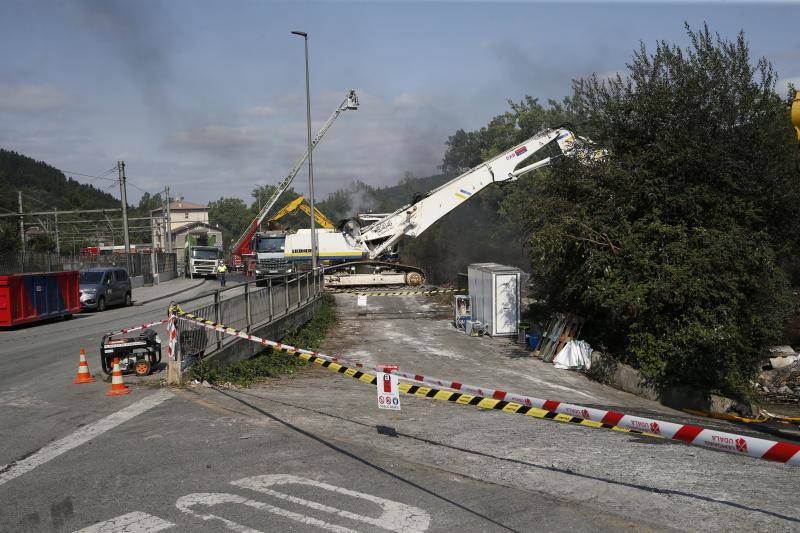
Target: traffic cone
column 118, row 387
column 83, row 371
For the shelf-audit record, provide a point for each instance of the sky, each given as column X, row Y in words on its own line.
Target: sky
column 209, row 97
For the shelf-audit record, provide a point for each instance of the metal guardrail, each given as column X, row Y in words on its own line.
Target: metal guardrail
column 246, row 306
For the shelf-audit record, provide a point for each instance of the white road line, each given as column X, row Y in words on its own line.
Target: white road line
column 185, row 504
column 135, row 522
column 81, row 436
column 396, row 516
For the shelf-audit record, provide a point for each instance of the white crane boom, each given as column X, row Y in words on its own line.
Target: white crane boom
column 350, row 102
column 380, row 236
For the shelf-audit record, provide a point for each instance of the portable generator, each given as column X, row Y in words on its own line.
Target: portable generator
column 138, row 354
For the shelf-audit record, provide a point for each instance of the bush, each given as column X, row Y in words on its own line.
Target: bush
column 272, row 363
column 672, row 248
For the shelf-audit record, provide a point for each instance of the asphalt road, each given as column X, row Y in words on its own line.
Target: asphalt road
column 312, row 452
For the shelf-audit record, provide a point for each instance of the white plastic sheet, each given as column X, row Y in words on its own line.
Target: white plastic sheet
column 575, row 355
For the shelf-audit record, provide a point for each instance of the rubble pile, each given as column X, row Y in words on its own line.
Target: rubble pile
column 781, row 381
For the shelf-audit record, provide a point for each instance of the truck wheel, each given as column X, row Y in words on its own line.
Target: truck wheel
column 127, row 299
column 142, row 367
column 101, row 304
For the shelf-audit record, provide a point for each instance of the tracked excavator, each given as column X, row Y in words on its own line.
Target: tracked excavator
column 363, row 250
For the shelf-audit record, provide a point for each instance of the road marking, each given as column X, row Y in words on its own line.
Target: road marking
column 396, row 516
column 81, row 436
column 185, row 504
column 136, row 522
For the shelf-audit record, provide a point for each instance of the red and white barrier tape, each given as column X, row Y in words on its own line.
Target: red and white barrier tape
column 782, row 452
column 171, row 336
column 137, row 328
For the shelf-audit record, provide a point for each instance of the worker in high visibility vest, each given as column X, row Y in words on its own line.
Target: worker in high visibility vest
column 222, row 269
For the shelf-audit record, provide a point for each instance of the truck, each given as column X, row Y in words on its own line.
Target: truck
column 201, row 261
column 270, row 257
column 269, row 248
column 362, row 252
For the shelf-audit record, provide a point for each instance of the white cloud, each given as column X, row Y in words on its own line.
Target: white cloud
column 411, row 100
column 22, row 97
column 260, row 111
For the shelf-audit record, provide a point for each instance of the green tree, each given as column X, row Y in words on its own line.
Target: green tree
column 673, row 246
column 232, row 216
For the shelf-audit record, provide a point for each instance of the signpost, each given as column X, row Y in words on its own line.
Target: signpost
column 388, row 390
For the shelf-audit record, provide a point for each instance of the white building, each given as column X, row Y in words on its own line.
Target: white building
column 186, row 219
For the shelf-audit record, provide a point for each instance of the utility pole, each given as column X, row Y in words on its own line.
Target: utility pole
column 169, row 223
column 124, row 198
column 21, row 229
column 153, row 260
column 58, row 243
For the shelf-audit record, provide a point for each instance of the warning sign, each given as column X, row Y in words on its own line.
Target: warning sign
column 362, row 300
column 388, row 391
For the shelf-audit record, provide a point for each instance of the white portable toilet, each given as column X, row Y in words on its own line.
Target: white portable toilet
column 494, row 292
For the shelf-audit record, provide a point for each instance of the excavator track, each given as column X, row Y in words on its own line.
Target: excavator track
column 358, row 274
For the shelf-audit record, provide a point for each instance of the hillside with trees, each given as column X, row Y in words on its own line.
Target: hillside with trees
column 43, row 188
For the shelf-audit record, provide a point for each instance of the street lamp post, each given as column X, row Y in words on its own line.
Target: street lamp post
column 310, row 159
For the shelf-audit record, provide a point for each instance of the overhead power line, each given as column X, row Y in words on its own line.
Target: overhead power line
column 101, row 177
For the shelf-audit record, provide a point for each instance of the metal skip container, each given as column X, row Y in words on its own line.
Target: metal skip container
column 494, row 292
column 38, row 296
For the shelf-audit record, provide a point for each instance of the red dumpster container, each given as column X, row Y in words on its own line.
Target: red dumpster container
column 38, row 296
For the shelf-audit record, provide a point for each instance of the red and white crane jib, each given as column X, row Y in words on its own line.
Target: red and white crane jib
column 242, row 246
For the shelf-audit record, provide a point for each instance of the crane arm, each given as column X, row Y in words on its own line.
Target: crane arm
column 288, row 208
column 321, row 219
column 299, row 203
column 413, row 219
column 242, row 246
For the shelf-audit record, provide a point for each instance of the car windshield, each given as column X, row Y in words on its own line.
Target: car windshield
column 205, row 254
column 270, row 244
column 91, row 277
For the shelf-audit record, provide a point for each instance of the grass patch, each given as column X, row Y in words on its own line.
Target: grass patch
column 271, row 363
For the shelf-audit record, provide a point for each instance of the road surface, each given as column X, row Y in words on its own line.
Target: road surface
column 311, row 452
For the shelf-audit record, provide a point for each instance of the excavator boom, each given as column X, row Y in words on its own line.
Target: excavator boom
column 300, row 203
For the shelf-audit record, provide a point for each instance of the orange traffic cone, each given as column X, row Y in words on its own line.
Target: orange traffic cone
column 83, row 371
column 118, row 387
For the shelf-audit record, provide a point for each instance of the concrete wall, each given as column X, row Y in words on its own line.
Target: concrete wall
column 240, row 349
column 166, row 276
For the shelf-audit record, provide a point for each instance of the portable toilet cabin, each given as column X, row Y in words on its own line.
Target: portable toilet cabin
column 494, row 292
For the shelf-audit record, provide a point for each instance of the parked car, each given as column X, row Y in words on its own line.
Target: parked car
column 101, row 287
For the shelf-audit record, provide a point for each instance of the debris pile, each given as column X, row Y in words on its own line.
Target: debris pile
column 780, row 383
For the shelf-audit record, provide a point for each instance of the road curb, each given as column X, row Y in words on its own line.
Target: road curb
column 169, row 295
